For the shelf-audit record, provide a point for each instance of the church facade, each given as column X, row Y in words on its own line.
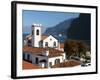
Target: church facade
column 39, row 40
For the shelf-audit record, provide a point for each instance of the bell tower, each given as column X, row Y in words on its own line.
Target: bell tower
column 36, row 34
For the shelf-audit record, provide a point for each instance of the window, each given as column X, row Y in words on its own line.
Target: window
column 28, row 56
column 54, row 44
column 46, row 44
column 57, row 61
column 37, row 32
column 37, row 60
column 23, row 55
column 50, row 64
column 50, row 39
column 29, row 42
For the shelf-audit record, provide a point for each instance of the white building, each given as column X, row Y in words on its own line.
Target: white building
column 39, row 40
column 42, row 50
column 44, row 57
column 36, row 34
column 49, row 41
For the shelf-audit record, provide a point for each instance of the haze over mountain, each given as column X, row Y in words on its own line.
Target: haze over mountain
column 27, row 29
column 74, row 28
column 59, row 29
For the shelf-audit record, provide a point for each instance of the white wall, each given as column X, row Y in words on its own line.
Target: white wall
column 64, row 56
column 33, row 57
column 50, row 42
column 5, row 41
column 36, row 38
column 54, row 58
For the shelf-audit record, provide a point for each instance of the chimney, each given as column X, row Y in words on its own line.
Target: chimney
column 46, row 53
column 58, row 45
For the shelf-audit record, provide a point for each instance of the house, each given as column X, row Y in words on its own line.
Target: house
column 49, row 41
column 44, row 57
column 43, row 50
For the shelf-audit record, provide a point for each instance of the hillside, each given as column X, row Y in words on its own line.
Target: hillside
column 60, row 28
column 80, row 28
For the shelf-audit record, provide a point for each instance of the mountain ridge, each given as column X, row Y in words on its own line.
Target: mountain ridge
column 60, row 28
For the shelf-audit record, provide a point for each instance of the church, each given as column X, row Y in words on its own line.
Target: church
column 42, row 50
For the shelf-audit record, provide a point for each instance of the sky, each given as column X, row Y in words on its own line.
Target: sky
column 46, row 18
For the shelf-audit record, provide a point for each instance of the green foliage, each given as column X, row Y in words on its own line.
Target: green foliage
column 75, row 48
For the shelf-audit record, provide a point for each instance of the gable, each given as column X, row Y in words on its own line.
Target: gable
column 50, row 37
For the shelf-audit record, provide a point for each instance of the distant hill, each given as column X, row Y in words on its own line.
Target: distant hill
column 27, row 29
column 80, row 28
column 60, row 28
column 24, row 35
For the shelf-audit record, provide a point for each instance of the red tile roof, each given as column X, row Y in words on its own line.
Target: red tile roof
column 62, row 45
column 43, row 37
column 27, row 65
column 39, row 51
column 70, row 63
column 29, row 37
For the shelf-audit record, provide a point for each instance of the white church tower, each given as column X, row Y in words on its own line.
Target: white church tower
column 36, row 34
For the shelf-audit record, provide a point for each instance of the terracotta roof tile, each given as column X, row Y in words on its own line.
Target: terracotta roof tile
column 27, row 65
column 39, row 51
column 29, row 37
column 62, row 45
column 43, row 37
column 70, row 63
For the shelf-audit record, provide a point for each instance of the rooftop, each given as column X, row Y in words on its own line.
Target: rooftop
column 61, row 45
column 39, row 51
column 43, row 37
column 29, row 37
column 70, row 63
column 36, row 25
column 27, row 65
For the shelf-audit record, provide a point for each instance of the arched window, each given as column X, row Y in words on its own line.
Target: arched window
column 57, row 61
column 54, row 44
column 37, row 32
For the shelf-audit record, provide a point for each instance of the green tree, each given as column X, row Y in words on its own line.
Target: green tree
column 75, row 48
column 82, row 48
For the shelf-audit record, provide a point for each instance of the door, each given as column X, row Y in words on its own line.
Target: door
column 37, row 60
